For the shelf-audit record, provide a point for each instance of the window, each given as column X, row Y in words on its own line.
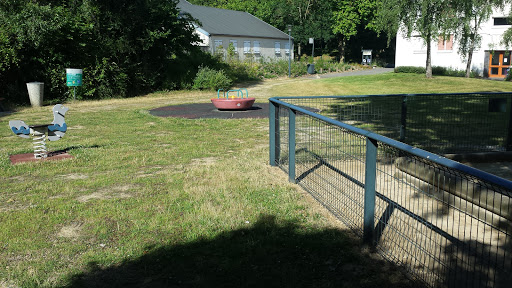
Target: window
column 218, row 45
column 235, row 45
column 500, row 21
column 445, row 44
column 277, row 47
column 256, row 47
column 247, row 47
column 287, row 48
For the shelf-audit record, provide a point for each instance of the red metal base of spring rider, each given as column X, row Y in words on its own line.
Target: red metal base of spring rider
column 237, row 102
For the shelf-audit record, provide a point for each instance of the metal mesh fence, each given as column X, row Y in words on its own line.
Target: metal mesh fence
column 439, row 123
column 448, row 224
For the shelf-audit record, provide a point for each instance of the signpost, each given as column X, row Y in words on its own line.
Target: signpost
column 73, row 79
column 367, row 56
column 312, row 41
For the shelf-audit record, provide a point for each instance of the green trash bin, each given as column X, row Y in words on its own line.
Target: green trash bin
column 311, row 68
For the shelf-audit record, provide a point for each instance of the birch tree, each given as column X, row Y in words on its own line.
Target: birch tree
column 469, row 16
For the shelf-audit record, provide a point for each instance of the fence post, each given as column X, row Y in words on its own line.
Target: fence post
column 274, row 137
column 291, row 145
column 508, row 145
column 369, row 191
column 403, row 118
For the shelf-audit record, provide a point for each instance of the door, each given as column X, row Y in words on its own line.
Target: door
column 499, row 63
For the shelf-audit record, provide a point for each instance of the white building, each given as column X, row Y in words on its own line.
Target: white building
column 491, row 59
column 250, row 36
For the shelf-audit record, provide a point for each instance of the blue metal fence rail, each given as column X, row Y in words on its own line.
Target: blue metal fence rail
column 439, row 123
column 448, row 223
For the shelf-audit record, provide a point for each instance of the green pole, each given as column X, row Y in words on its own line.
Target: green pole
column 291, row 145
column 369, row 191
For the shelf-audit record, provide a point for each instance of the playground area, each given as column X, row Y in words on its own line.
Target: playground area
column 150, row 201
column 208, row 111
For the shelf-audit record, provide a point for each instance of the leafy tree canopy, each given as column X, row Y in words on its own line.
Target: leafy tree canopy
column 124, row 47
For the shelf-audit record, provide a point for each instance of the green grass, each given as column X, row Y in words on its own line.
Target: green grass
column 389, row 83
column 149, row 201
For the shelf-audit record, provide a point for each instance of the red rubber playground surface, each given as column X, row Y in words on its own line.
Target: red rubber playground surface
column 207, row 110
column 29, row 157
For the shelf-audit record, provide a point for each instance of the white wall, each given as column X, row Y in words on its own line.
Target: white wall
column 204, row 38
column 413, row 52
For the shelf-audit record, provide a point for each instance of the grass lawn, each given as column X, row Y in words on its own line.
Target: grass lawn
column 151, row 201
column 389, row 83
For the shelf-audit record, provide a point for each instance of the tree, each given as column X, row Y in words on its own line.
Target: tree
column 124, row 47
column 267, row 10
column 310, row 19
column 469, row 15
column 428, row 18
column 507, row 36
column 348, row 17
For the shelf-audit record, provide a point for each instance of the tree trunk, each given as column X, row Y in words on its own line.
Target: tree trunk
column 468, row 65
column 429, row 56
column 299, row 48
column 341, row 49
column 470, row 52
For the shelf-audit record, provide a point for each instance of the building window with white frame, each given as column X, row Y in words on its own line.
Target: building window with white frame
column 218, row 45
column 445, row 43
column 247, row 47
column 277, row 47
column 287, row 48
column 235, row 45
column 256, row 45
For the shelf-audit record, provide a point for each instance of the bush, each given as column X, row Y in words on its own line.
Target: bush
column 248, row 70
column 410, row 69
column 119, row 57
column 509, row 75
column 436, row 70
column 210, row 79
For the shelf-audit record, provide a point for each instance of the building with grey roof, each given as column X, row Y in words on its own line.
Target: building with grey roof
column 250, row 36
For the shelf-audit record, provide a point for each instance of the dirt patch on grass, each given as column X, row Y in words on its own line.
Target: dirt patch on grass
column 71, row 231
column 74, row 176
column 13, row 205
column 151, row 171
column 207, row 161
column 108, row 193
column 4, row 284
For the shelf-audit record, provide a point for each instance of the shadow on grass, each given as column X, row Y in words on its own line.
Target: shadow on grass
column 439, row 123
column 267, row 254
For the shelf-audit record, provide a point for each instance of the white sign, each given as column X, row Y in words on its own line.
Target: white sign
column 311, row 40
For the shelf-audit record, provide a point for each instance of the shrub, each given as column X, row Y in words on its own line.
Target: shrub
column 119, row 57
column 410, row 69
column 210, row 79
column 104, row 80
column 509, row 75
column 436, row 70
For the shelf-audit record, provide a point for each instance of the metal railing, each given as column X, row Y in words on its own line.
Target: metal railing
column 438, row 123
column 448, row 224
